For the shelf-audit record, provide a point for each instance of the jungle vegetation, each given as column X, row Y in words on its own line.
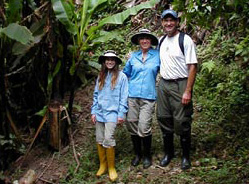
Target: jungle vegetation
column 48, row 49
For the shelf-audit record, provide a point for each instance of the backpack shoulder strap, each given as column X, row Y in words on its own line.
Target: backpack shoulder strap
column 181, row 41
column 161, row 41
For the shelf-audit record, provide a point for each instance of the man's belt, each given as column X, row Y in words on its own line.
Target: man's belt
column 175, row 80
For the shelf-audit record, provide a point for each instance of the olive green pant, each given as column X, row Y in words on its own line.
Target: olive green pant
column 172, row 115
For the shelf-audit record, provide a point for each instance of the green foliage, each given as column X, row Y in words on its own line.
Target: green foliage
column 64, row 12
column 216, row 165
column 51, row 76
column 105, row 36
column 89, row 33
column 81, row 19
column 120, row 17
column 209, row 66
column 18, row 33
column 10, row 149
column 42, row 112
column 242, row 48
column 221, row 89
column 222, row 83
column 11, row 143
column 13, row 10
column 209, row 14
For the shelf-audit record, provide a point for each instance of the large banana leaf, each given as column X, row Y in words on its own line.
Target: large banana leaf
column 85, row 31
column 95, row 5
column 89, row 7
column 105, row 36
column 18, row 33
column 64, row 13
column 38, row 32
column 119, row 18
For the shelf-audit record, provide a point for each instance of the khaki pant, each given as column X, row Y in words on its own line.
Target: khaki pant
column 172, row 115
column 139, row 117
column 105, row 134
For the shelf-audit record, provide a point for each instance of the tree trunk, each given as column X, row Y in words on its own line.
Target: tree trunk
column 3, row 101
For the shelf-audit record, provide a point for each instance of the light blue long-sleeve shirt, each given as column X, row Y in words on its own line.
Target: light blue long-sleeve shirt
column 142, row 75
column 109, row 105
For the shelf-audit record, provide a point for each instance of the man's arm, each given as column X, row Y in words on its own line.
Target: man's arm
column 187, row 95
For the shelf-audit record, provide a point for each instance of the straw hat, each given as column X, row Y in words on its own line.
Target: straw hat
column 144, row 33
column 109, row 54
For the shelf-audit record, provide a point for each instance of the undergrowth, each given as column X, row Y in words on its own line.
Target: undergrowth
column 219, row 152
column 214, row 159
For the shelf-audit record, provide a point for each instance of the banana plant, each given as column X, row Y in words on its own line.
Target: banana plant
column 18, row 33
column 78, row 22
column 9, row 32
column 84, row 34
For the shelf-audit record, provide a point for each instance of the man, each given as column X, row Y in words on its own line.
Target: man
column 174, row 102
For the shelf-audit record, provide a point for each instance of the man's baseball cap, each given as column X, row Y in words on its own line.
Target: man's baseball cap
column 169, row 12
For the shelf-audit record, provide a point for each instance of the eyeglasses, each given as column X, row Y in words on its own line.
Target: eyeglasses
column 110, row 51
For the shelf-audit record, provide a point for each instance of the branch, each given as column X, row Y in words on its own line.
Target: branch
column 2, row 14
column 35, row 12
column 37, row 132
column 39, row 177
column 71, row 138
column 13, row 126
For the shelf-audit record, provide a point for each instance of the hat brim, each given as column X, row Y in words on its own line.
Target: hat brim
column 103, row 58
column 170, row 15
column 135, row 37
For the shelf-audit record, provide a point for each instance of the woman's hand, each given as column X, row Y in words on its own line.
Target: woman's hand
column 120, row 121
column 93, row 119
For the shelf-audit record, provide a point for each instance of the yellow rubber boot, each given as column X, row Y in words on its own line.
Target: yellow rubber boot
column 110, row 154
column 102, row 160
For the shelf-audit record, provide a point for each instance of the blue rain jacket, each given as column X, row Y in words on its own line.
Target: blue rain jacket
column 109, row 105
column 142, row 75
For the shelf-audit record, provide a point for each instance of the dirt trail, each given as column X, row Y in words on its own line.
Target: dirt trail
column 48, row 165
column 52, row 167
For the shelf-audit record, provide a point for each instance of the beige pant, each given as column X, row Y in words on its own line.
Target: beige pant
column 139, row 117
column 105, row 134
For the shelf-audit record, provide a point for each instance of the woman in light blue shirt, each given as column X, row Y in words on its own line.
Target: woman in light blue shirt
column 141, row 69
column 109, row 109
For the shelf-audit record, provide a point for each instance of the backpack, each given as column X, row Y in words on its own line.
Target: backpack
column 180, row 40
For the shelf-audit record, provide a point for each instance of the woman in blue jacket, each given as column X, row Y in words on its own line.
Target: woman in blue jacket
column 141, row 69
column 109, row 109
